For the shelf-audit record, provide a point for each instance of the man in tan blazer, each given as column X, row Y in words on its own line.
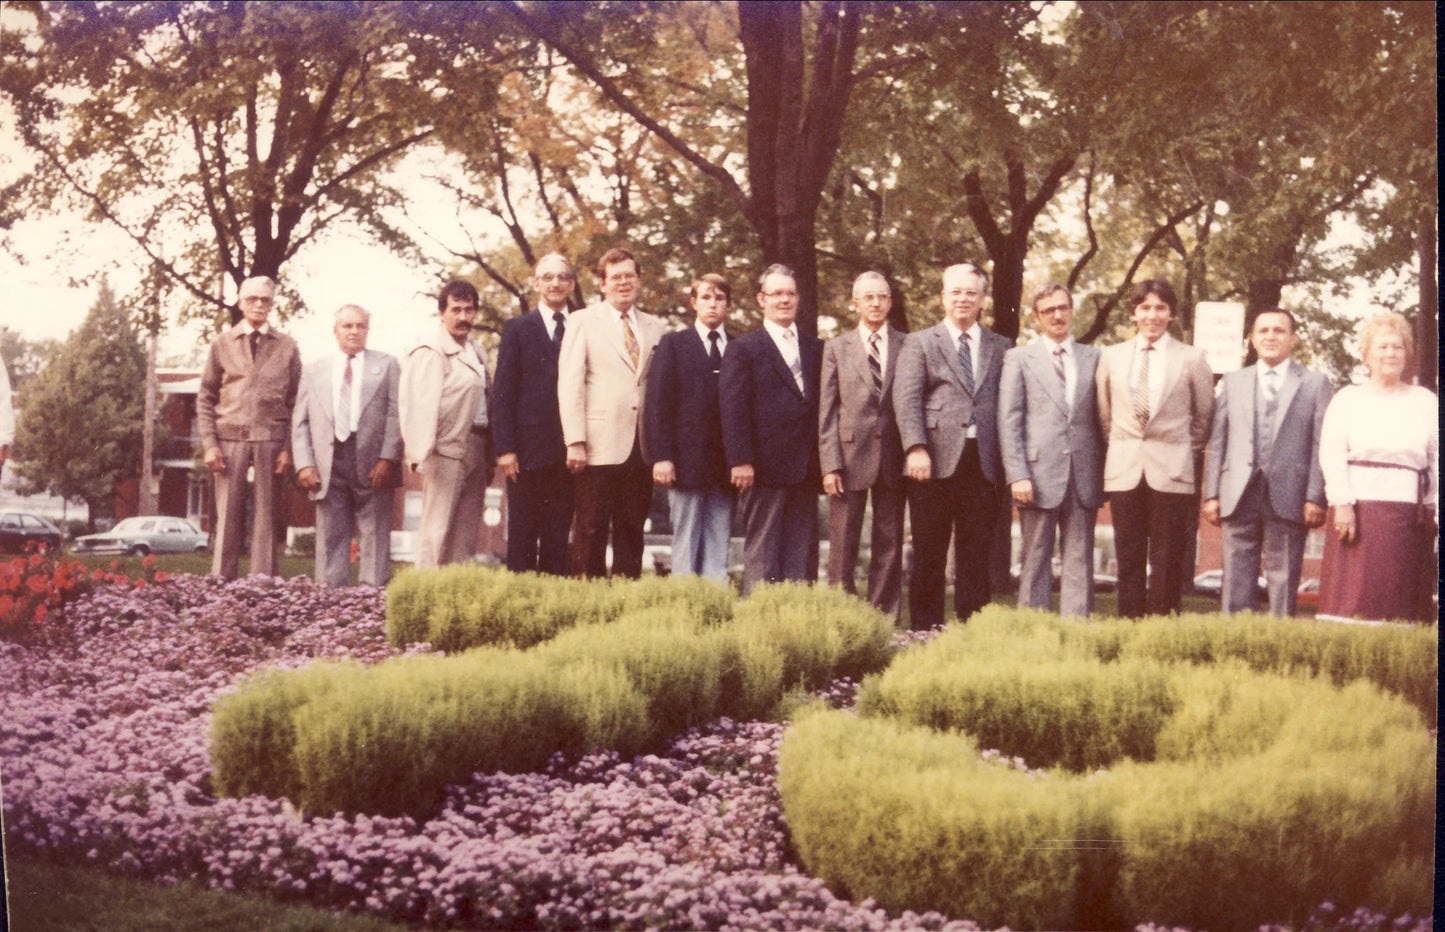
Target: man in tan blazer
column 243, row 413
column 859, row 449
column 600, row 373
column 445, row 430
column 1156, row 403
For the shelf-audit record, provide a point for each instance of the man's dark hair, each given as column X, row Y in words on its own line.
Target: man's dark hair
column 1293, row 324
column 462, row 290
column 612, row 257
column 1155, row 286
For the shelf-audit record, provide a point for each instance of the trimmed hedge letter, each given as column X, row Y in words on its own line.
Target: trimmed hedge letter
column 1208, row 772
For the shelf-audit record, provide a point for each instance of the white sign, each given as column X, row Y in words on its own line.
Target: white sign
column 1219, row 334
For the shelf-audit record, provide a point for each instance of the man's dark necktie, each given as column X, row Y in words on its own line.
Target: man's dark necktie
column 965, row 360
column 714, row 354
column 875, row 366
column 558, row 330
column 255, row 343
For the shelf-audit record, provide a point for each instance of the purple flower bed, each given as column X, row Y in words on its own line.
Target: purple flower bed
column 104, row 754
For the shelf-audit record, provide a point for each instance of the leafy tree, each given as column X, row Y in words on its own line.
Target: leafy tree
column 223, row 137
column 23, row 358
column 79, row 430
column 797, row 67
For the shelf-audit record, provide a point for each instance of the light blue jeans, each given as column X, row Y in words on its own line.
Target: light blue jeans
column 702, row 521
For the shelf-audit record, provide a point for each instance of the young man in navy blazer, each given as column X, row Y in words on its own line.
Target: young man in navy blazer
column 683, row 427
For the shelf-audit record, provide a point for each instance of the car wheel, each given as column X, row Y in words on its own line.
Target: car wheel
column 201, row 548
column 140, row 550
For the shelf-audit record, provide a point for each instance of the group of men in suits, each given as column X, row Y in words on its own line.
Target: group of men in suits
column 591, row 408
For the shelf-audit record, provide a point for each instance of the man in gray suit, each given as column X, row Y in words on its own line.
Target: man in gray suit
column 1053, row 454
column 859, row 448
column 346, row 439
column 1262, row 478
column 945, row 396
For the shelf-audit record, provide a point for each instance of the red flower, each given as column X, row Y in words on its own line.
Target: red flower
column 37, row 584
column 150, row 560
column 161, row 576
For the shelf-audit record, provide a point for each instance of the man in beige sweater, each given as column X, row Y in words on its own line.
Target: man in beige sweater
column 248, row 389
column 445, row 427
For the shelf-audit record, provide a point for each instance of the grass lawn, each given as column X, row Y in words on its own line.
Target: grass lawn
column 47, row 897
column 200, row 564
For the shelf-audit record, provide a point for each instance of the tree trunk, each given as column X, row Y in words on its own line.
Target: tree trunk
column 1427, row 320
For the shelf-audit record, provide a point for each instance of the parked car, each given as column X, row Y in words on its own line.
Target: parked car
column 1211, row 582
column 1308, row 594
column 145, row 535
column 21, row 531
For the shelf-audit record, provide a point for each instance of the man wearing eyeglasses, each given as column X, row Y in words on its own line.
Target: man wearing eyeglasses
column 859, row 450
column 527, row 426
column 243, row 413
column 1053, row 455
column 769, row 394
column 945, row 396
column 600, row 374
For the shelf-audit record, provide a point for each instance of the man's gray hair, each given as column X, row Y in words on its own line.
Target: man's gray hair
column 871, row 276
column 1051, row 288
column 777, row 268
column 558, row 256
column 365, row 314
column 258, row 280
column 973, row 267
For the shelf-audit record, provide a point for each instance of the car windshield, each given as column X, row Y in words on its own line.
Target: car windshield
column 132, row 525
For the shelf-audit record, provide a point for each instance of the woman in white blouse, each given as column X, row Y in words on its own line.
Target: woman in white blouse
column 1380, row 454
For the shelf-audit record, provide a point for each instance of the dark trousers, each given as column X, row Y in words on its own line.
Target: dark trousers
column 965, row 507
column 1150, row 533
column 539, row 519
column 885, row 563
column 612, row 503
column 780, row 534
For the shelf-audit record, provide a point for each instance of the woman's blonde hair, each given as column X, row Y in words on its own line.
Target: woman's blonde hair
column 1388, row 322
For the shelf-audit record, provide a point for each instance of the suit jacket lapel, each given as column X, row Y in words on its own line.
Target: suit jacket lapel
column 944, row 342
column 855, row 351
column 321, row 386
column 895, row 346
column 781, row 364
column 1172, row 370
column 370, row 377
column 1042, row 362
column 1086, row 367
column 1293, row 378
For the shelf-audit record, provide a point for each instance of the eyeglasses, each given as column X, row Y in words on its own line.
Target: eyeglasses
column 1057, row 310
column 551, row 277
column 876, row 297
column 956, row 293
column 780, row 294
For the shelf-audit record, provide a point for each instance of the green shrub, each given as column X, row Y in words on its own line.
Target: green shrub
column 821, row 633
column 672, row 660
column 915, row 820
column 389, row 738
column 455, row 608
column 1400, row 658
column 1267, row 794
column 1071, row 711
column 253, row 730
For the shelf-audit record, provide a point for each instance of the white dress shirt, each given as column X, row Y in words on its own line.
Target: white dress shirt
column 1157, row 362
column 722, row 337
column 338, row 376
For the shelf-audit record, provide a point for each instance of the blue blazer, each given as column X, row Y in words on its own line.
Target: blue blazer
column 525, row 415
column 766, row 421
column 682, row 416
